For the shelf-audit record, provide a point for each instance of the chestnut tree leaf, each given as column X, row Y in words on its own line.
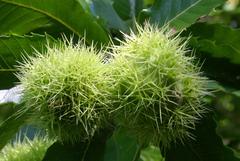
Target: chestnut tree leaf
column 70, row 13
column 122, row 147
column 19, row 20
column 12, row 122
column 181, row 13
column 13, row 48
column 207, row 146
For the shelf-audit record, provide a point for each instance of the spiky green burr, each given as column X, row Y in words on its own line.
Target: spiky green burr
column 67, row 90
column 158, row 88
column 26, row 150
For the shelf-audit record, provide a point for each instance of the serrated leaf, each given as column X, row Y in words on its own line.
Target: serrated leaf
column 69, row 13
column 207, row 146
column 181, row 13
column 13, row 48
column 217, row 40
column 218, row 47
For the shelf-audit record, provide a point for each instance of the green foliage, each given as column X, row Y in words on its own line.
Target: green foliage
column 19, row 20
column 126, row 9
column 227, row 112
column 6, row 110
column 210, row 41
column 23, row 29
column 180, row 13
column 10, row 126
column 65, row 152
column 13, row 49
column 220, row 55
column 77, row 19
column 121, row 147
column 151, row 153
column 105, row 10
column 89, row 150
column 207, row 146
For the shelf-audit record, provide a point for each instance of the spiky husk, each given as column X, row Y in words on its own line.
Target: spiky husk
column 26, row 150
column 158, row 88
column 66, row 88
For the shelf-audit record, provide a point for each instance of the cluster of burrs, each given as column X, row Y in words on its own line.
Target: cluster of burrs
column 149, row 85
